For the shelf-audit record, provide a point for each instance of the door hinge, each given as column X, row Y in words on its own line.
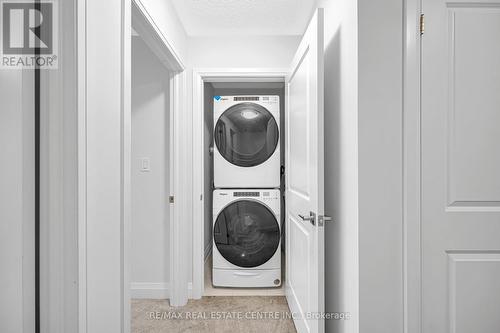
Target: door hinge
column 171, row 199
column 422, row 24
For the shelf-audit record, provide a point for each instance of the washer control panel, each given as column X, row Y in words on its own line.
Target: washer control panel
column 263, row 195
column 246, row 194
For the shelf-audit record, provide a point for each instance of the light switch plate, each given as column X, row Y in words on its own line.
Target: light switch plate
column 145, row 164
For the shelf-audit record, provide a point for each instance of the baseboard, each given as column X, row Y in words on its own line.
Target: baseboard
column 149, row 290
column 208, row 251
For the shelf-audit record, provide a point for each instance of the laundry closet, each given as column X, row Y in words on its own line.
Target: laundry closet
column 243, row 188
column 242, row 207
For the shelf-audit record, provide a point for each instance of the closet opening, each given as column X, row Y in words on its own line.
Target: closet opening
column 243, row 188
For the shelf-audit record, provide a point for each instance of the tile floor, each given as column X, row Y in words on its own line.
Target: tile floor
column 224, row 314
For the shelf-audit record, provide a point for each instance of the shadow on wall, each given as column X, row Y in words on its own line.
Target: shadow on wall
column 333, row 181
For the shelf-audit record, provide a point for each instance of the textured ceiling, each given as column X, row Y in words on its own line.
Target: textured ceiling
column 244, row 17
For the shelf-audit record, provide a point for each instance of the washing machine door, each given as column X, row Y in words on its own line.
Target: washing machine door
column 246, row 134
column 246, row 233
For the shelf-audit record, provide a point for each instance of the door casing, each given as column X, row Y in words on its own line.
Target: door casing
column 412, row 270
column 200, row 76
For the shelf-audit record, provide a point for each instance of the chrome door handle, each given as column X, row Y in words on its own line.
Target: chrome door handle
column 311, row 218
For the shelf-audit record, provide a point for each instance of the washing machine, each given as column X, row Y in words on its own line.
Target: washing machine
column 246, row 238
column 246, row 141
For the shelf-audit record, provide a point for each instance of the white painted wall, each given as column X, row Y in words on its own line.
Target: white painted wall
column 13, row 206
column 165, row 17
column 363, row 117
column 237, row 51
column 150, row 190
column 380, row 117
column 341, row 163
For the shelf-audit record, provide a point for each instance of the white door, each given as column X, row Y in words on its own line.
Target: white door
column 304, row 181
column 460, row 150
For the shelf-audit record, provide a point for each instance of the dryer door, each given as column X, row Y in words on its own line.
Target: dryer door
column 246, row 233
column 246, row 134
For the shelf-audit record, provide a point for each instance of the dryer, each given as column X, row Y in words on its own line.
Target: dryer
column 246, row 238
column 247, row 142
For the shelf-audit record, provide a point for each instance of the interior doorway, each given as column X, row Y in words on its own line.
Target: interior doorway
column 153, row 163
column 304, row 93
column 150, row 173
column 210, row 83
column 215, row 91
column 207, row 299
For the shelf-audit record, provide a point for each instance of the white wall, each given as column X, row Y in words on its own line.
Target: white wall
column 363, row 117
column 150, row 190
column 363, row 85
column 14, row 130
column 247, row 51
column 341, row 163
column 380, row 165
column 165, row 17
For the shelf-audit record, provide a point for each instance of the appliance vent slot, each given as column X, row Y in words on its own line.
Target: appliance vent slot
column 246, row 98
column 246, row 194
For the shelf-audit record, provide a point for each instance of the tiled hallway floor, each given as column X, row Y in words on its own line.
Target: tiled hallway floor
column 214, row 314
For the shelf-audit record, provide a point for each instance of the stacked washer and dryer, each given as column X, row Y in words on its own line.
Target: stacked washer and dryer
column 247, row 196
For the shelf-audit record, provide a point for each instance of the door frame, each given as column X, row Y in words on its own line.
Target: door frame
column 412, row 258
column 161, row 46
column 132, row 11
column 200, row 76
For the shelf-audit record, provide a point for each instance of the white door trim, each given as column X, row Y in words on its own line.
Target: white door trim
column 160, row 45
column 126, row 164
column 411, row 168
column 82, row 163
column 164, row 50
column 178, row 229
column 200, row 76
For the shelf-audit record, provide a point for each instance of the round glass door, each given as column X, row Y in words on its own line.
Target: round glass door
column 246, row 134
column 246, row 233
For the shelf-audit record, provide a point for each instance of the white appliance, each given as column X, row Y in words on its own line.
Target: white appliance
column 246, row 238
column 246, row 141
